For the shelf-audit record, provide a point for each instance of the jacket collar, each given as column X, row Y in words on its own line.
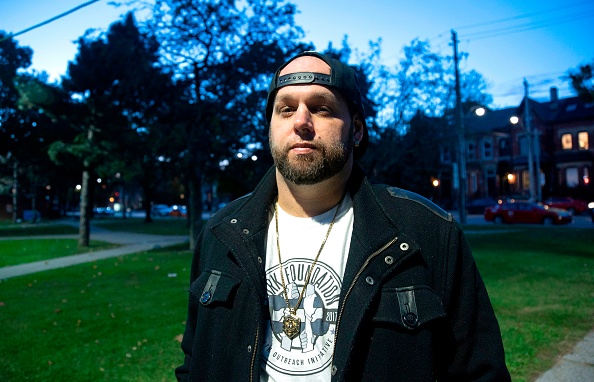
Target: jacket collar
column 373, row 228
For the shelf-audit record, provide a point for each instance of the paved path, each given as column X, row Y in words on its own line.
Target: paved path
column 577, row 366
column 130, row 243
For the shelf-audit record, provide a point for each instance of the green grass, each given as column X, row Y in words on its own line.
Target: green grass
column 541, row 283
column 21, row 251
column 10, row 230
column 117, row 319
column 120, row 319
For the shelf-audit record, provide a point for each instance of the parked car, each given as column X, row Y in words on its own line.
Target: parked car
column 103, row 211
column 477, row 206
column 527, row 212
column 575, row 206
column 178, row 211
column 160, row 210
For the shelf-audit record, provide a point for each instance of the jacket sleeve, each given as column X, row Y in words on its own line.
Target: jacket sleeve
column 182, row 372
column 474, row 348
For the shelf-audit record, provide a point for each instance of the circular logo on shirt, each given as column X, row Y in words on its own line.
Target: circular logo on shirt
column 311, row 350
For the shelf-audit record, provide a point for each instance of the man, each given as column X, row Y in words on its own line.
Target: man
column 318, row 275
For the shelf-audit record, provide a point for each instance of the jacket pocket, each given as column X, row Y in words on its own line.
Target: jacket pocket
column 409, row 307
column 214, row 288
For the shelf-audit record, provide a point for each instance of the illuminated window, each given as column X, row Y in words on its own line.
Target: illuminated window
column 583, row 140
column 526, row 180
column 566, row 142
column 586, row 176
column 571, row 177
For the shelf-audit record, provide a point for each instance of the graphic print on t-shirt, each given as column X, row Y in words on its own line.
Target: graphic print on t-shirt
column 311, row 350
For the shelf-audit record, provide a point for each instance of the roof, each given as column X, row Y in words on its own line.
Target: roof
column 551, row 112
column 491, row 121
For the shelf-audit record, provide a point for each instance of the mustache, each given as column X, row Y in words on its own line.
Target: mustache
column 303, row 144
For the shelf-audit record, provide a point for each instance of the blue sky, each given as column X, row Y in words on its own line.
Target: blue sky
column 540, row 40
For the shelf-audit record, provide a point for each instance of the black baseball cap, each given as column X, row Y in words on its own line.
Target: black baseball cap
column 342, row 78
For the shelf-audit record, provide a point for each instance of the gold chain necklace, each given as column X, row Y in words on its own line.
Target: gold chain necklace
column 291, row 322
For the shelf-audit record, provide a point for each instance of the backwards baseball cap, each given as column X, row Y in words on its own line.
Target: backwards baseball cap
column 342, row 78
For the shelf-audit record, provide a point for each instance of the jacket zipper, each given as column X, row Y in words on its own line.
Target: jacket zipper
column 346, row 296
column 255, row 351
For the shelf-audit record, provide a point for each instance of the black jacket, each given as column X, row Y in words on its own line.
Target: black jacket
column 413, row 305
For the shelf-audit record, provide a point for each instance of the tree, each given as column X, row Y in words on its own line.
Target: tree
column 422, row 84
column 222, row 51
column 581, row 82
column 12, row 125
column 110, row 99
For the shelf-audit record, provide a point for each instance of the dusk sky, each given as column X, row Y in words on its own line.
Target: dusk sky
column 506, row 40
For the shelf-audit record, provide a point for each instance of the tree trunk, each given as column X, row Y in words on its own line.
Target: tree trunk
column 84, row 231
column 15, row 194
column 195, row 205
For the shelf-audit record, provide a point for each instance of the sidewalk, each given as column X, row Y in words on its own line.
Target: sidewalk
column 130, row 243
column 577, row 366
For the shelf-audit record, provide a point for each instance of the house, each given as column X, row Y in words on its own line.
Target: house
column 498, row 150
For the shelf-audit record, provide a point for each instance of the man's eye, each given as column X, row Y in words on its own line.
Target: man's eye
column 285, row 110
column 322, row 109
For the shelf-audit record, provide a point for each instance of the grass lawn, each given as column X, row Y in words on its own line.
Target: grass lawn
column 541, row 283
column 21, row 251
column 117, row 319
column 10, row 230
column 120, row 319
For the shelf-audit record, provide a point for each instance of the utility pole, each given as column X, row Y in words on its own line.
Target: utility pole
column 530, row 134
column 461, row 138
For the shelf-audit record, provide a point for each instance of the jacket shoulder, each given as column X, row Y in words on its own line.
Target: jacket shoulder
column 408, row 196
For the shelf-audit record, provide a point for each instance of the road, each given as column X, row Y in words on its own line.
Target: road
column 580, row 221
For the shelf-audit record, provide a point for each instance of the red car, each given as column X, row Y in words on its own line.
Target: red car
column 575, row 206
column 527, row 212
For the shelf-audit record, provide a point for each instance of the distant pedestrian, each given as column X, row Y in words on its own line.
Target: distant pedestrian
column 319, row 275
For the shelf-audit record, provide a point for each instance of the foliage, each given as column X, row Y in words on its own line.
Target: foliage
column 582, row 83
column 423, row 81
column 221, row 52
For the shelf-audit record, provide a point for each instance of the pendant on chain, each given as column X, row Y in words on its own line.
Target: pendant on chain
column 291, row 325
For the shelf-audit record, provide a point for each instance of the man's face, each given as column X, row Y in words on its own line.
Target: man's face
column 311, row 130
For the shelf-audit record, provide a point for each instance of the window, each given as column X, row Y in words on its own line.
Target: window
column 566, row 142
column 583, row 140
column 473, row 182
column 586, row 176
column 487, row 148
column 471, row 151
column 525, row 180
column 523, row 143
column 445, row 154
column 572, row 179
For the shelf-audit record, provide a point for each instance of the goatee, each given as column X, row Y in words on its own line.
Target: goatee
column 305, row 169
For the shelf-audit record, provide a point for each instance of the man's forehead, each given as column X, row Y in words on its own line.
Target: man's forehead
column 306, row 64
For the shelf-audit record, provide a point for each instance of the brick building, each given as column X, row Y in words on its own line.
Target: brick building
column 497, row 150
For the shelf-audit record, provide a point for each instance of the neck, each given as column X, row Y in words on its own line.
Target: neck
column 312, row 200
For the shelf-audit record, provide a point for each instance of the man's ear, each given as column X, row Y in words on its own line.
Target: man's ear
column 358, row 127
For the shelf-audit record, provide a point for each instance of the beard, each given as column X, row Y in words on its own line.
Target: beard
column 307, row 169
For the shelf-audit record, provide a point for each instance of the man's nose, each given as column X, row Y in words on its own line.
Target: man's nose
column 303, row 119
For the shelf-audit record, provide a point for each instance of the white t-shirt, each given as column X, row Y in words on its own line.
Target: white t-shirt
column 308, row 357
